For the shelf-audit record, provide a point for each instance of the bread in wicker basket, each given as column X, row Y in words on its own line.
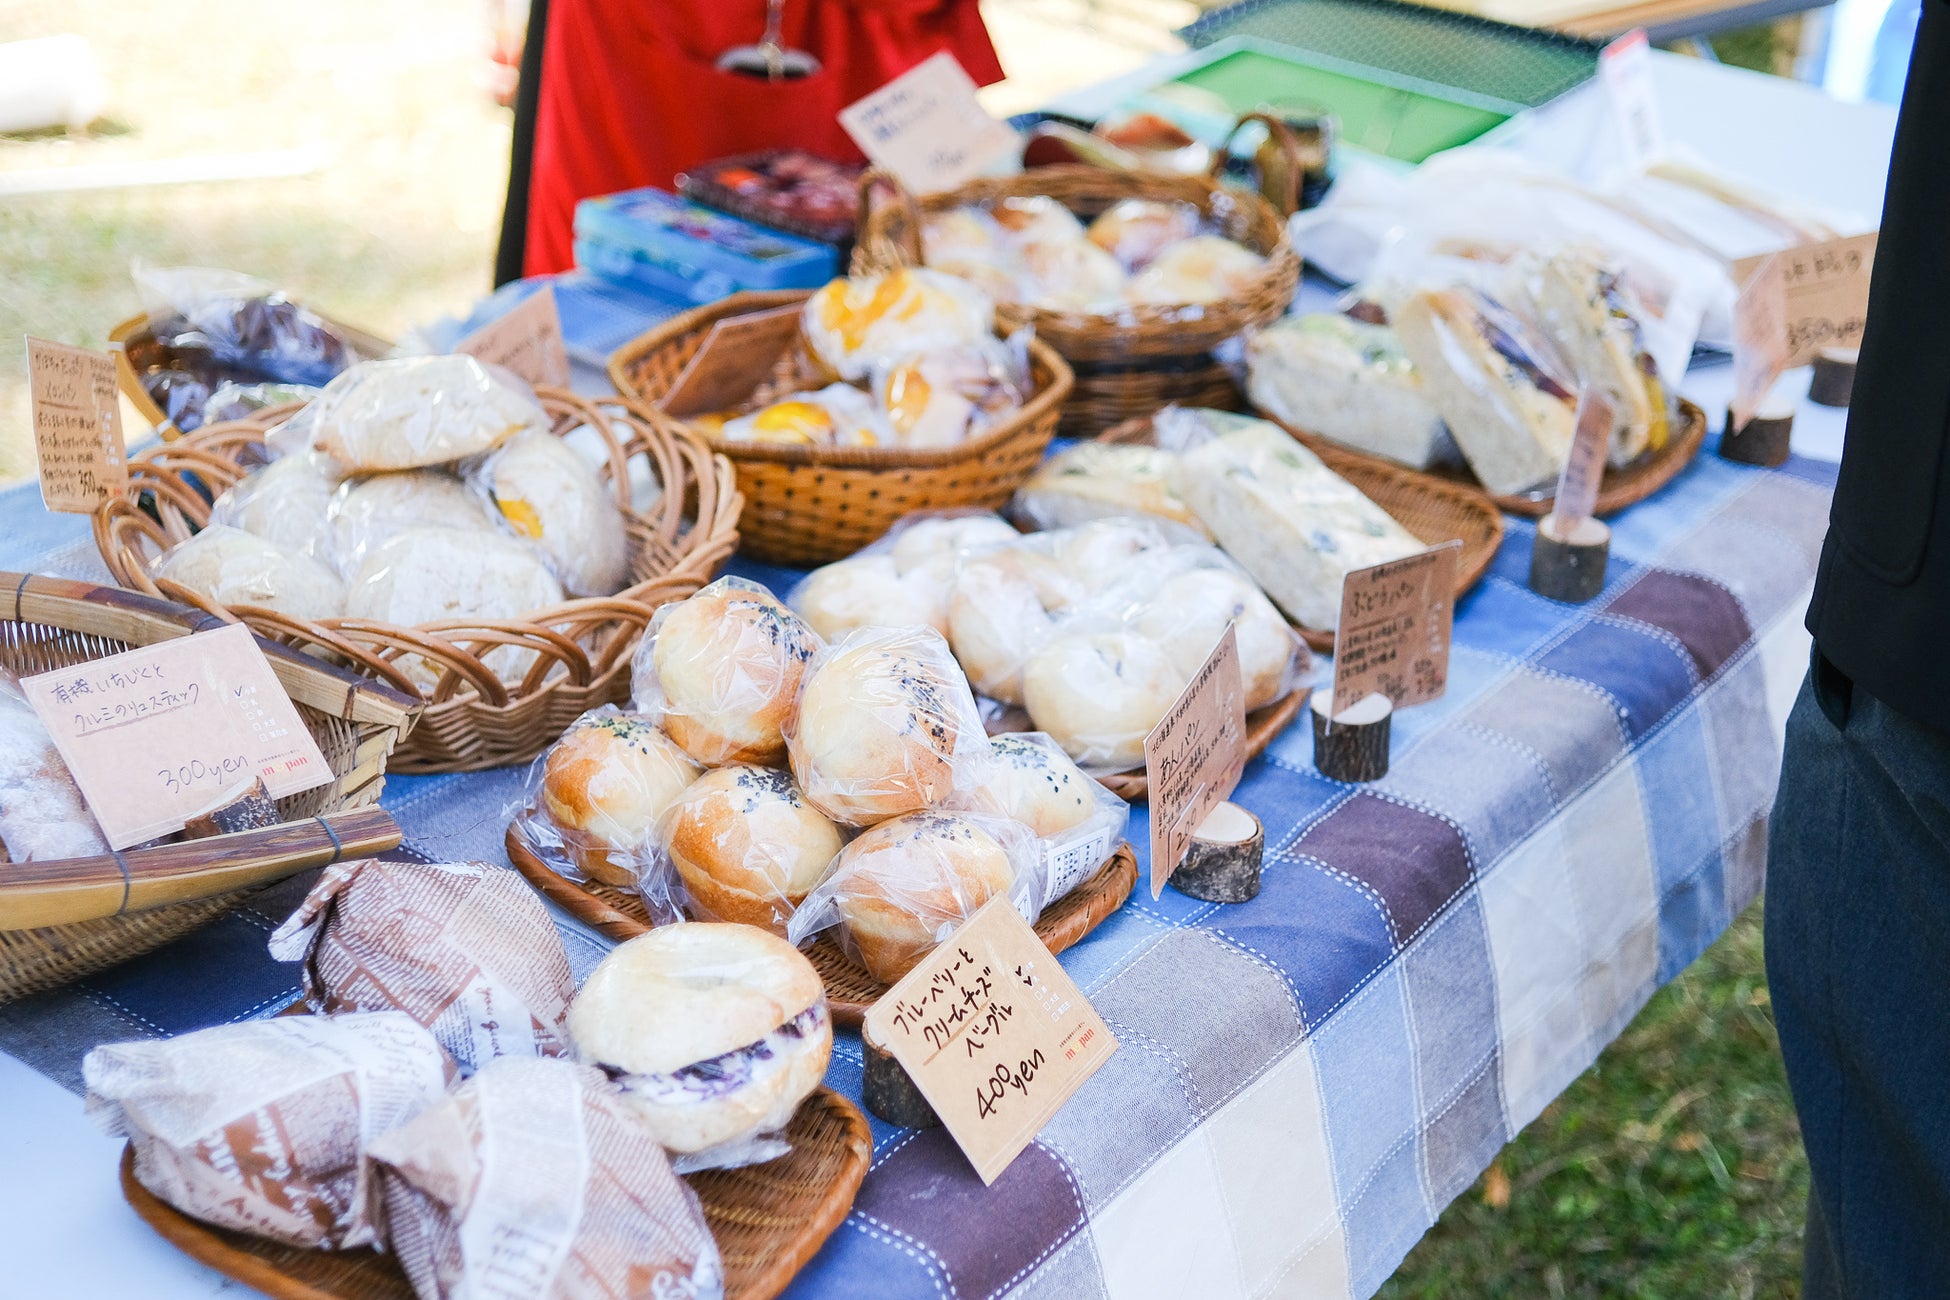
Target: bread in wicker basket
column 809, row 505
column 581, row 648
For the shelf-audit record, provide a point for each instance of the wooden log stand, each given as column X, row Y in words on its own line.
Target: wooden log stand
column 1223, row 863
column 1834, row 378
column 1568, row 564
column 889, row 1090
column 1763, row 440
column 1353, row 746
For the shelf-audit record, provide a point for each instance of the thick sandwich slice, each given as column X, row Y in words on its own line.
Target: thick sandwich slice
column 1578, row 299
column 1348, row 381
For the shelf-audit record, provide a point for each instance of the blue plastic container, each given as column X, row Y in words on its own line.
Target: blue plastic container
column 654, row 240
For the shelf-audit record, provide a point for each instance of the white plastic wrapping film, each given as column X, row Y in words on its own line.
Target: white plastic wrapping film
column 43, row 817
column 743, row 844
column 852, row 323
column 409, row 412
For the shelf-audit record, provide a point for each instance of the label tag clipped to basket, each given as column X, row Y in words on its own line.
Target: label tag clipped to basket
column 526, row 340
column 1195, row 756
column 994, row 1033
column 1393, row 637
column 927, row 127
column 163, row 733
column 77, row 426
column 734, row 357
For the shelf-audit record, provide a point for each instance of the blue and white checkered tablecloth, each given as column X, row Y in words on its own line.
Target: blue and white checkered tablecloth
column 1305, row 1080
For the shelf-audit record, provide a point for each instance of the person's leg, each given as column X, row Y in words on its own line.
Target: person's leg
column 1858, row 929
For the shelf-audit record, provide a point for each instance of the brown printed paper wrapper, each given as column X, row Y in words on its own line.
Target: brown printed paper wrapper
column 259, row 1126
column 531, row 1180
column 465, row 948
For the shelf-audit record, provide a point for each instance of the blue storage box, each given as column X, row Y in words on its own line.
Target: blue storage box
column 654, row 240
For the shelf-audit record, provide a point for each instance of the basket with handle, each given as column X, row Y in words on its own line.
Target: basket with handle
column 1130, row 362
column 808, row 505
column 61, row 920
column 580, row 649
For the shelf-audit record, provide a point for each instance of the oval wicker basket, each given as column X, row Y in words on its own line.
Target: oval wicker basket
column 581, row 648
column 1145, row 356
column 806, row 506
column 769, row 1219
column 62, row 920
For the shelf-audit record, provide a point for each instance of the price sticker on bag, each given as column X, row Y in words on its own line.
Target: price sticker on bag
column 77, row 426
column 160, row 734
column 1195, row 756
column 1823, row 295
column 994, row 1033
column 927, row 127
column 1393, row 637
column 527, row 340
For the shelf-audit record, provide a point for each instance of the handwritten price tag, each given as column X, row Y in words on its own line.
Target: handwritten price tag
column 1393, row 637
column 161, row 734
column 1759, row 338
column 719, row 374
column 1625, row 67
column 1194, row 757
column 526, row 340
column 1577, row 486
column 927, row 127
column 77, row 426
column 1824, row 294
column 994, row 1033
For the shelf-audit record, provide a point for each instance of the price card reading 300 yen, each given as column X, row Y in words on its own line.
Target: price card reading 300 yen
column 160, row 734
column 1393, row 637
column 994, row 1033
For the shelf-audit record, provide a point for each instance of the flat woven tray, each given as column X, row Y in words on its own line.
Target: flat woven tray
column 768, row 1219
column 850, row 991
column 1435, row 510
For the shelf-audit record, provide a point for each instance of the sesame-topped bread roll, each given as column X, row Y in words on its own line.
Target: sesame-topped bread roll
column 605, row 784
column 747, row 845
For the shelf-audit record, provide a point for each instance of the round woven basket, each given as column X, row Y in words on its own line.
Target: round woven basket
column 473, row 719
column 807, row 506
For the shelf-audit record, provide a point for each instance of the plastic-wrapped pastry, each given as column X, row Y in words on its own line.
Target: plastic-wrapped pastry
column 371, row 509
column 713, row 1035
column 232, row 567
column 1202, row 269
column 1349, row 382
column 465, row 948
column 1098, row 694
column 998, row 616
column 1101, row 480
column 901, row 888
column 1187, row 612
column 948, row 395
column 852, row 323
column 1035, row 219
column 868, row 591
column 746, row 846
column 259, row 1126
column 1296, row 526
column 410, row 412
column 1077, row 822
column 1135, row 231
column 285, row 502
column 535, row 1179
column 838, row 415
column 886, row 725
column 43, row 817
column 924, row 538
column 549, row 494
column 1074, row 275
column 604, row 785
column 1102, row 551
column 1575, row 295
column 720, row 672
column 965, row 232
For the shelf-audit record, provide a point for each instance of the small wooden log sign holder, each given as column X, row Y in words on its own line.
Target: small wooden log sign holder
column 1764, row 439
column 1568, row 557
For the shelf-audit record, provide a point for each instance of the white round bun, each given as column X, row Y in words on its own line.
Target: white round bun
column 747, row 845
column 1098, row 694
column 1035, row 783
column 1189, row 613
column 368, row 511
column 552, row 496
column 904, row 886
column 728, row 664
column 870, row 591
column 285, row 502
column 926, row 540
column 712, row 1032
column 996, row 619
column 232, row 567
column 604, row 785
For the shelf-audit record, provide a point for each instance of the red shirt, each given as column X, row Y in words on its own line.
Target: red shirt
column 631, row 94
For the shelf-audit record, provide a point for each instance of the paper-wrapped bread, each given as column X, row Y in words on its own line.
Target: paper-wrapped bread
column 260, row 1126
column 465, row 948
column 534, row 1180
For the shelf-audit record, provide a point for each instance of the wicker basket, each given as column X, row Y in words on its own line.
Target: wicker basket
column 134, row 336
column 472, row 718
column 806, row 506
column 1143, row 357
column 62, row 920
column 769, row 1219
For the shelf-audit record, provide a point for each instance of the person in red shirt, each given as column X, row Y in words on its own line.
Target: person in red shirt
column 631, row 93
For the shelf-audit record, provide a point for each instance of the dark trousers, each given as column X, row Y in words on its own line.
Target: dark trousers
column 1858, row 964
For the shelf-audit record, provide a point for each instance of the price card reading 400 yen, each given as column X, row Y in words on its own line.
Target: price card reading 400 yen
column 1393, row 637
column 994, row 1034
column 160, row 734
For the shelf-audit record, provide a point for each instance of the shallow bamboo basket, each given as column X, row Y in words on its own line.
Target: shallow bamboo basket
column 619, row 914
column 768, row 1219
column 65, row 919
column 806, row 506
column 582, row 648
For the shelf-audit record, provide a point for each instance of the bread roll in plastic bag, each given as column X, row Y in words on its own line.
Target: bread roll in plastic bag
column 904, row 886
column 410, row 412
column 744, row 845
column 903, row 579
column 1136, row 231
column 854, row 322
column 1098, row 691
column 886, row 725
column 838, row 415
column 1102, row 480
column 241, row 322
column 1078, row 823
column 261, row 1127
column 229, row 567
column 43, row 817
column 547, row 493
column 287, row 502
column 942, row 396
column 720, row 672
column 368, row 510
